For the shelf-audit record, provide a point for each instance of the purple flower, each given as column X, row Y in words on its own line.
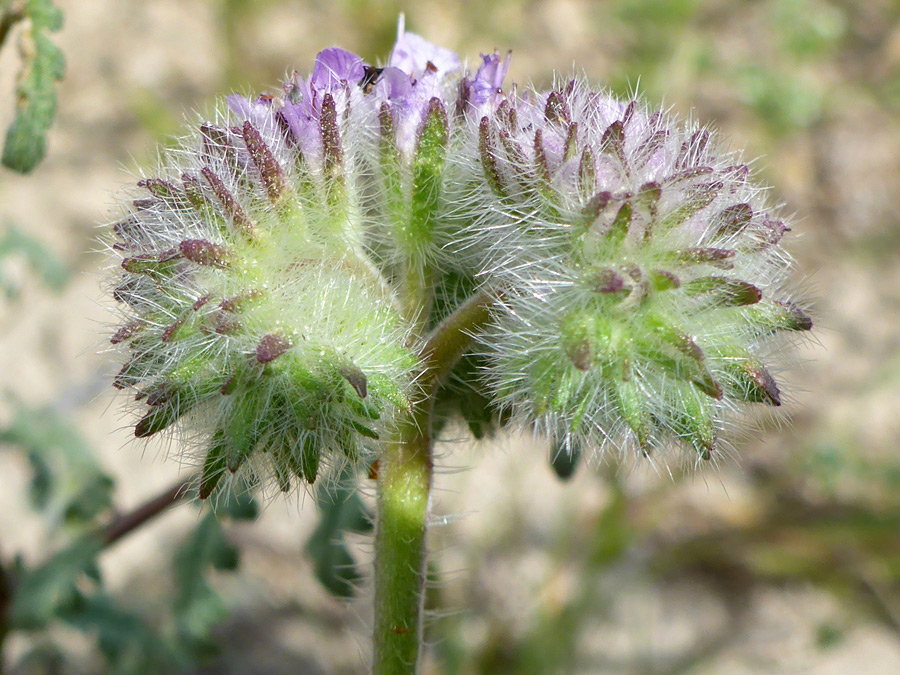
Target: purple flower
column 416, row 56
column 487, row 87
column 416, row 72
column 334, row 67
column 259, row 112
column 336, row 73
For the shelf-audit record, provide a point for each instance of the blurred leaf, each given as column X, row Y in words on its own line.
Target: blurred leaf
column 237, row 506
column 342, row 511
column 54, row 273
column 198, row 607
column 41, row 593
column 564, row 461
column 784, row 100
column 44, row 658
column 43, row 64
column 67, row 479
column 809, row 27
column 129, row 645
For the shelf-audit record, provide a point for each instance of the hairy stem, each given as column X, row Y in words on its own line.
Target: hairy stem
column 128, row 522
column 417, row 295
column 404, row 489
column 404, row 486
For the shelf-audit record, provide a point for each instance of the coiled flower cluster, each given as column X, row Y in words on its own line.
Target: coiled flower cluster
column 281, row 272
column 642, row 271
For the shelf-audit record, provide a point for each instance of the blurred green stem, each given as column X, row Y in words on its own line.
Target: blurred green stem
column 404, row 491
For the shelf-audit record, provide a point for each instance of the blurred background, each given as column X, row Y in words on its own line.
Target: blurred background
column 784, row 558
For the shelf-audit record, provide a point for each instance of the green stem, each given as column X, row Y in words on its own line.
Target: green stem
column 404, row 489
column 417, row 295
column 404, row 486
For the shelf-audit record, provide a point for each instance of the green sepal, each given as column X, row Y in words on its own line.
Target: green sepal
column 632, row 404
column 488, row 154
column 390, row 171
column 309, row 457
column 427, row 175
column 618, row 230
column 213, row 466
column 689, row 208
column 771, row 317
column 544, row 378
column 587, row 174
column 751, row 382
column 153, row 265
column 364, row 409
column 364, row 430
column 695, row 422
column 282, row 467
column 242, row 431
column 723, row 292
column 164, row 415
column 676, row 352
column 577, row 338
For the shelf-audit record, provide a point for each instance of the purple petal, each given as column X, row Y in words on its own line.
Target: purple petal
column 239, row 105
column 334, row 66
column 413, row 54
column 488, row 83
column 304, row 127
column 393, row 85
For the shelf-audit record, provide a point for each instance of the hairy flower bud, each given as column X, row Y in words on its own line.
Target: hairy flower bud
column 251, row 313
column 642, row 273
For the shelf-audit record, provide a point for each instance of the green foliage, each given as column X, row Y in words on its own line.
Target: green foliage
column 198, row 608
column 14, row 242
column 43, row 64
column 129, row 644
column 342, row 510
column 45, row 591
column 67, row 481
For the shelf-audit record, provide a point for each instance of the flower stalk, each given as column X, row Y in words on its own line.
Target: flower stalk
column 405, row 471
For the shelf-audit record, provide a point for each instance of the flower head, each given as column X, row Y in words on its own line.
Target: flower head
column 278, row 273
column 642, row 271
column 251, row 314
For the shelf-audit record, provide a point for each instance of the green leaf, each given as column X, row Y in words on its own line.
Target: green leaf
column 43, row 64
column 198, row 607
column 53, row 272
column 127, row 642
column 67, row 480
column 342, row 511
column 41, row 593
